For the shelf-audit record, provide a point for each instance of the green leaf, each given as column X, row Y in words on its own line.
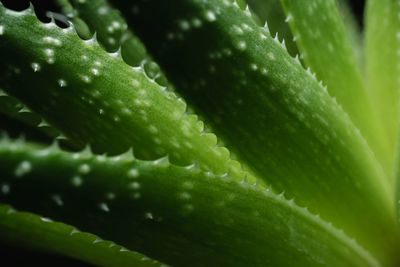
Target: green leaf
column 353, row 30
column 326, row 48
column 382, row 62
column 35, row 232
column 81, row 26
column 180, row 215
column 100, row 18
column 272, row 113
column 13, row 108
column 112, row 33
column 397, row 181
column 118, row 106
column 103, row 18
column 272, row 13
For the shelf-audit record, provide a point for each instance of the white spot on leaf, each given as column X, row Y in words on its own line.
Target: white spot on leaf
column 23, row 168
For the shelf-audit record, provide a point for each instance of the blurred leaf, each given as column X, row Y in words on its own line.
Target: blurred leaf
column 382, row 62
column 326, row 48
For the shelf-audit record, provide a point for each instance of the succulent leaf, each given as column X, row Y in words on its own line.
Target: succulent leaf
column 40, row 233
column 275, row 19
column 326, row 48
column 141, row 168
column 382, row 40
column 14, row 109
column 112, row 33
column 180, row 215
column 118, row 106
column 353, row 31
column 273, row 114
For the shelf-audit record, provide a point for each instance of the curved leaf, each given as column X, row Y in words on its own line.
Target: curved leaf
column 118, row 106
column 32, row 231
column 353, row 30
column 326, row 48
column 382, row 41
column 180, row 215
column 13, row 108
column 275, row 116
column 272, row 13
column 112, row 33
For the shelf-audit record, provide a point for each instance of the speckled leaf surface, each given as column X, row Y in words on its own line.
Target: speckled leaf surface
column 180, row 215
column 313, row 186
column 118, row 106
column 113, row 34
column 275, row 116
column 326, row 48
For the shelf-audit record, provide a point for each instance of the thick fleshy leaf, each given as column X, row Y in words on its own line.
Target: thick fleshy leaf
column 14, row 109
column 382, row 61
column 274, row 114
column 397, row 181
column 40, row 233
column 112, row 33
column 353, row 30
column 326, row 48
column 180, row 215
column 272, row 13
column 94, row 97
column 131, row 48
column 99, row 18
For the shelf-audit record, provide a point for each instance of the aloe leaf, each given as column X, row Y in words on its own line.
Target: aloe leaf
column 13, row 108
column 397, row 181
column 132, row 49
column 353, row 30
column 69, row 15
column 382, row 61
column 180, row 215
column 326, row 48
column 383, row 70
column 272, row 113
column 272, row 13
column 109, row 29
column 40, row 233
column 118, row 106
column 112, row 33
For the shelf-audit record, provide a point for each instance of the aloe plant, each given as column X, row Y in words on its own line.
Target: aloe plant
column 295, row 163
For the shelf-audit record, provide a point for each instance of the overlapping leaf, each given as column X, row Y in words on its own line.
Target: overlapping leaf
column 14, row 109
column 271, row 112
column 179, row 215
column 276, row 116
column 112, row 33
column 40, row 233
column 94, row 97
column 326, row 48
column 382, row 62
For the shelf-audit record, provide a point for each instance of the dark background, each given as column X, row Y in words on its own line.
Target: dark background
column 19, row 257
